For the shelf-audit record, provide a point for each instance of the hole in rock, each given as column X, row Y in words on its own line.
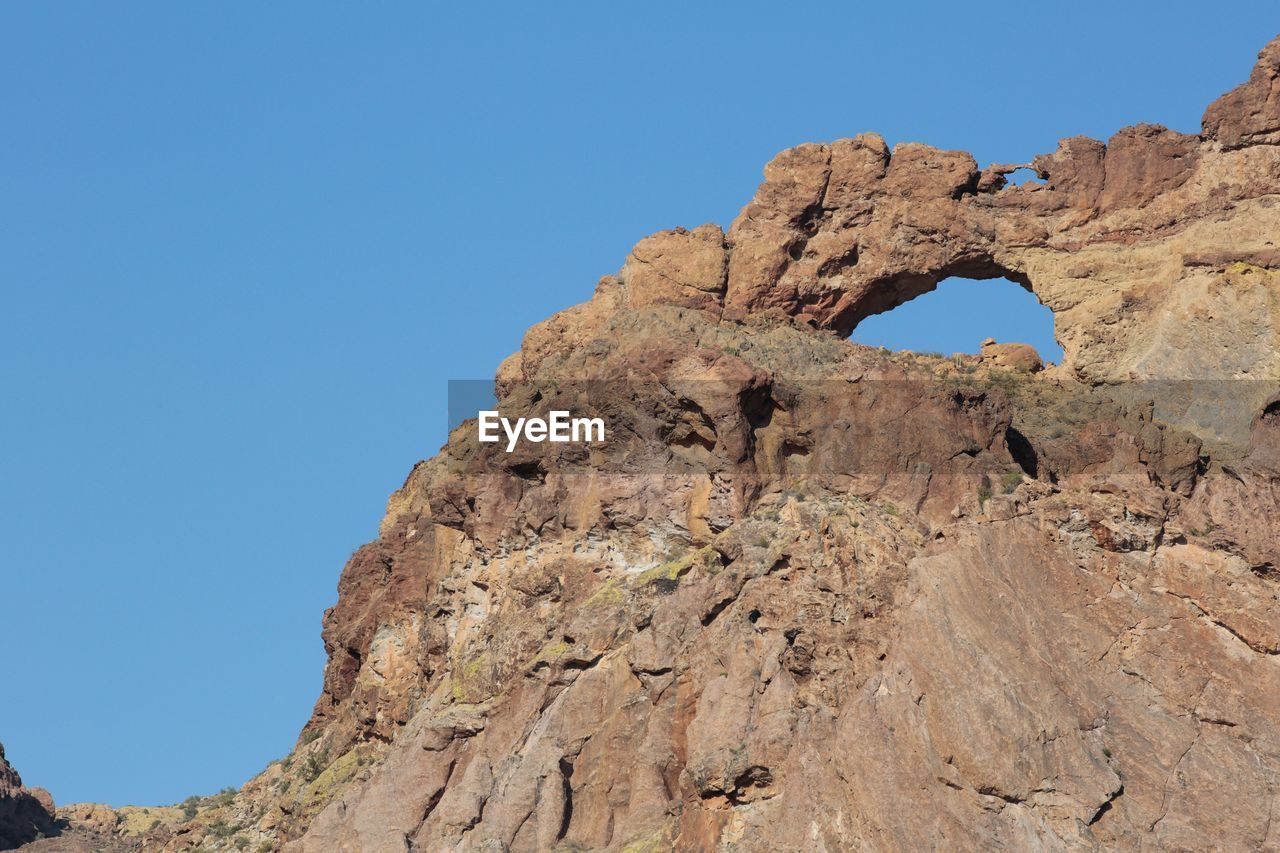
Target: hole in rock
column 1025, row 175
column 959, row 315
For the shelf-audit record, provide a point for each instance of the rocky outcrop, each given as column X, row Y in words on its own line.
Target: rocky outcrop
column 1022, row 358
column 1138, row 245
column 805, row 583
column 1250, row 113
column 25, row 813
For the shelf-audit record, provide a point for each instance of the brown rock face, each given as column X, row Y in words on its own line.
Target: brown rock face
column 812, row 596
column 1250, row 113
column 678, row 268
column 25, row 813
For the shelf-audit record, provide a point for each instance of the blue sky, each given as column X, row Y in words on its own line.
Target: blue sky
column 243, row 246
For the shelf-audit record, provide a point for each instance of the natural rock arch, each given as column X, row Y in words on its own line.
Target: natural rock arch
column 957, row 313
column 886, row 294
column 1123, row 242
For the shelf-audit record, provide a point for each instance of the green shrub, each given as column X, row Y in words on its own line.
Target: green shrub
column 315, row 764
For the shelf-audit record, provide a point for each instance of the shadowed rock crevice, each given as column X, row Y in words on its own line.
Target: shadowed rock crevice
column 1022, row 451
column 566, row 781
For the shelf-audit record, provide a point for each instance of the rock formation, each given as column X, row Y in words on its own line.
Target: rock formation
column 25, row 813
column 815, row 596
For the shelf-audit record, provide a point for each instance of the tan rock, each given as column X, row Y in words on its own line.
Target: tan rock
column 91, row 817
column 677, row 268
column 1022, row 358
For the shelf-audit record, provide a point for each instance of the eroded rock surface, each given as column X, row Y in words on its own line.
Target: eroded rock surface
column 812, row 596
column 25, row 813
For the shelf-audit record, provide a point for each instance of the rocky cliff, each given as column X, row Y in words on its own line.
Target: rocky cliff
column 814, row 596
column 25, row 813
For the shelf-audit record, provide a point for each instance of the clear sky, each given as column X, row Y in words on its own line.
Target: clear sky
column 244, row 245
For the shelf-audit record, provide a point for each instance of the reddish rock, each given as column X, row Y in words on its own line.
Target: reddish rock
column 1143, row 162
column 25, row 813
column 1250, row 113
column 991, row 587
column 804, row 582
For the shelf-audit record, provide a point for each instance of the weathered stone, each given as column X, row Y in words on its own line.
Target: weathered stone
column 871, row 536
column 677, row 268
column 1020, row 357
column 815, row 596
column 25, row 813
column 1250, row 113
